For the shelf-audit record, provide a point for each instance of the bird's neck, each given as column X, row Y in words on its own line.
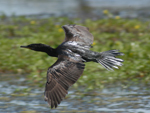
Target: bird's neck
column 50, row 51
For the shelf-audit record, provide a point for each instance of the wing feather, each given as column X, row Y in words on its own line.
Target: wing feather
column 60, row 77
column 78, row 34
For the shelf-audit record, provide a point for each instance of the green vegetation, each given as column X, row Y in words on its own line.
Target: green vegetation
column 132, row 37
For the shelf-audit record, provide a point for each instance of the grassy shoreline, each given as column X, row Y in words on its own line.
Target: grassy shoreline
column 132, row 37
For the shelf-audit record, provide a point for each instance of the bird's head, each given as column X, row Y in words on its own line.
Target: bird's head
column 35, row 47
column 42, row 48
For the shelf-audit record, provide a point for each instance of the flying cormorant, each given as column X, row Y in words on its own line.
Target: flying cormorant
column 71, row 54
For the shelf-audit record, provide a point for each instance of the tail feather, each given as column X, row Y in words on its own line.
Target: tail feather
column 108, row 59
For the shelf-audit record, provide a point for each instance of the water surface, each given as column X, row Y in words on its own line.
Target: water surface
column 19, row 96
column 76, row 8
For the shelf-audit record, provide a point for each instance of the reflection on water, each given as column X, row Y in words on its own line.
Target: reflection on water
column 18, row 95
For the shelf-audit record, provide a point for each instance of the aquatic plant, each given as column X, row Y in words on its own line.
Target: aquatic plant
column 129, row 36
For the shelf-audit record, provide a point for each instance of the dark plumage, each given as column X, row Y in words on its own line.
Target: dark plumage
column 72, row 53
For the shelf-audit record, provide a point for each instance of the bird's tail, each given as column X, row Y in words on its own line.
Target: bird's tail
column 108, row 59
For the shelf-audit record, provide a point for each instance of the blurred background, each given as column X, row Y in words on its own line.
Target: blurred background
column 115, row 24
column 76, row 8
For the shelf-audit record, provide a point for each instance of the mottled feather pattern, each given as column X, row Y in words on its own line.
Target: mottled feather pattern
column 60, row 78
column 78, row 34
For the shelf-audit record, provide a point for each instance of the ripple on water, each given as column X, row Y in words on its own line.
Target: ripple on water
column 115, row 99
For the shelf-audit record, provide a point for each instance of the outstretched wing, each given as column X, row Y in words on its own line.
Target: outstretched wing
column 79, row 34
column 60, row 76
